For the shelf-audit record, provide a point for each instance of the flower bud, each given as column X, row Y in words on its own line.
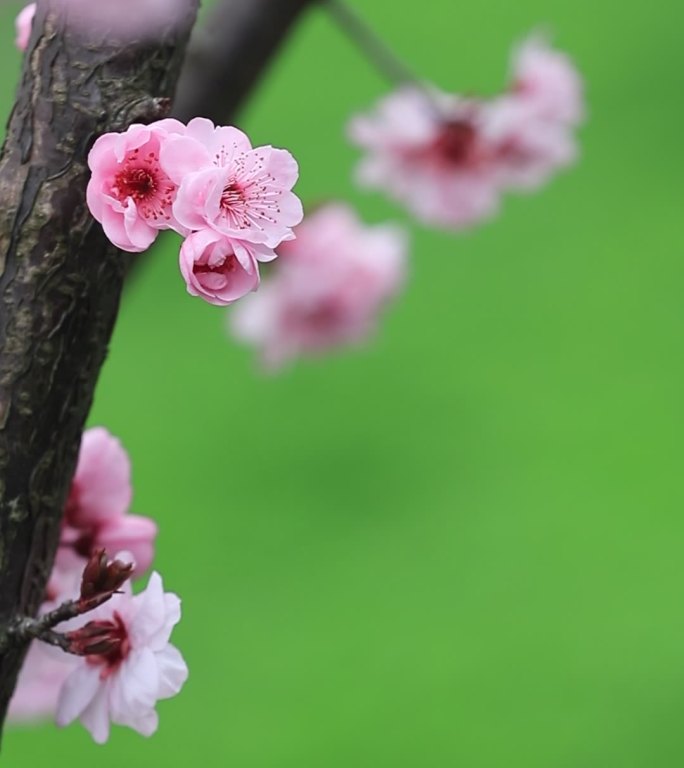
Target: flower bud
column 101, row 577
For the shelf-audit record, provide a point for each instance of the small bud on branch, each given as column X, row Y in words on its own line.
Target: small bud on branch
column 101, row 579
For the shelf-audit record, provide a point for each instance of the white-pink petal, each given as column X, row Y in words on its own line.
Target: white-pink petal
column 78, row 691
column 95, row 717
column 124, row 689
column 173, row 672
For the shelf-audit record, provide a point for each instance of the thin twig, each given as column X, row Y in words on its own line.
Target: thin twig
column 371, row 46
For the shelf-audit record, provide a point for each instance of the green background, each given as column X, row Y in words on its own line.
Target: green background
column 462, row 544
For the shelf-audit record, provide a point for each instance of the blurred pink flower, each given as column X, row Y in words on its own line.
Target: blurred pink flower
column 23, row 24
column 428, row 151
column 42, row 675
column 548, row 81
column 101, row 487
column 128, row 192
column 96, row 512
column 447, row 159
column 327, row 288
column 139, row 667
column 218, row 269
column 226, row 185
column 526, row 148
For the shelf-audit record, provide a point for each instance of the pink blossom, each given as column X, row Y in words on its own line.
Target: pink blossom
column 23, row 24
column 226, row 185
column 448, row 159
column 140, row 667
column 526, row 148
column 96, row 512
column 101, row 486
column 428, row 151
column 129, row 193
column 42, row 675
column 327, row 289
column 218, row 269
column 548, row 81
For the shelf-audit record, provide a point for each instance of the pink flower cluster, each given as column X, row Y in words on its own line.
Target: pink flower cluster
column 231, row 202
column 122, row 679
column 327, row 289
column 448, row 158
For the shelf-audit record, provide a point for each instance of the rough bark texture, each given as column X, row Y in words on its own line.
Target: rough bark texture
column 228, row 54
column 60, row 281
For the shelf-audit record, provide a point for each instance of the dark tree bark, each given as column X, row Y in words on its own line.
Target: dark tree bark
column 60, row 281
column 228, row 54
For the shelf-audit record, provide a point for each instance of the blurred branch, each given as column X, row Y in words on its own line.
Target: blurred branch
column 60, row 281
column 228, row 54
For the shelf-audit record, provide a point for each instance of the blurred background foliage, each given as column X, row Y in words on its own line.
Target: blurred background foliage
column 461, row 545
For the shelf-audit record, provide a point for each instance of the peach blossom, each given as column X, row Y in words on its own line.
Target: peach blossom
column 129, row 193
column 327, row 289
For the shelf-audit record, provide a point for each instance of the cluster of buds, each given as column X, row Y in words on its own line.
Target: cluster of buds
column 102, row 578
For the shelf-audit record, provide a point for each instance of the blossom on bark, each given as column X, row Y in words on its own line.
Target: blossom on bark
column 22, row 25
column 129, row 193
column 128, row 663
column 327, row 288
column 218, row 269
column 226, row 185
column 96, row 514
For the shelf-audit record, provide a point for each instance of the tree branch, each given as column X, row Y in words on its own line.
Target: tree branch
column 60, row 281
column 228, row 54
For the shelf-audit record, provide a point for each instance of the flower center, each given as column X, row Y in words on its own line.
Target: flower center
column 138, row 183
column 456, row 142
column 114, row 637
column 232, row 196
column 325, row 316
